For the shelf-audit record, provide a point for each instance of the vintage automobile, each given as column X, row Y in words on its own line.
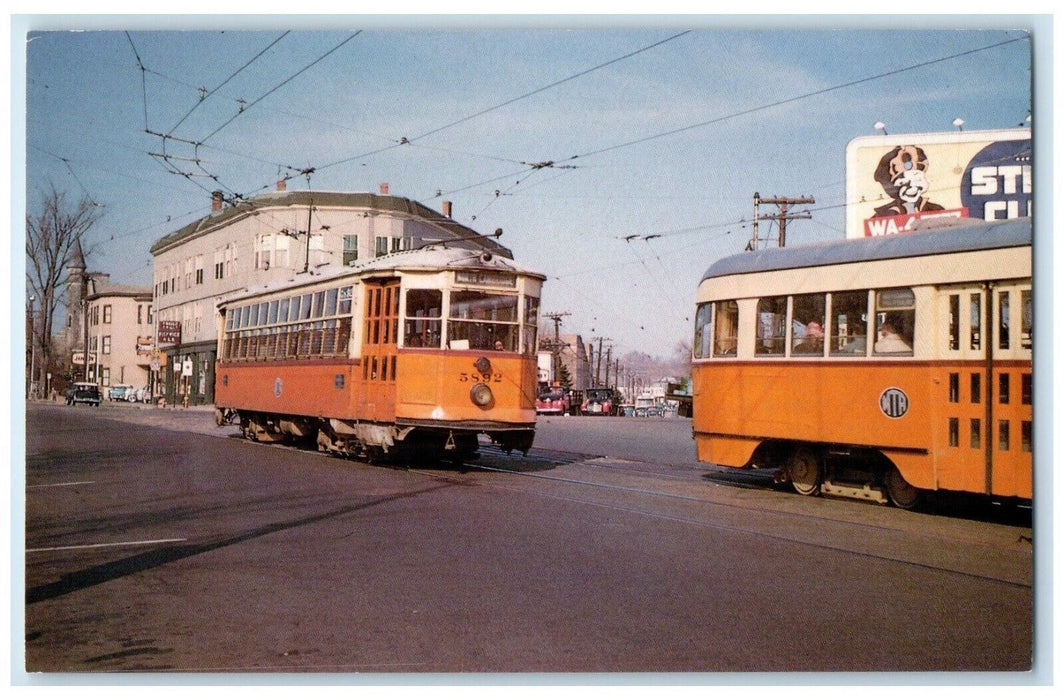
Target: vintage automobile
column 600, row 402
column 119, row 392
column 552, row 402
column 83, row 392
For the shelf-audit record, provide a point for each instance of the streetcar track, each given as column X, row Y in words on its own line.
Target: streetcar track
column 452, row 478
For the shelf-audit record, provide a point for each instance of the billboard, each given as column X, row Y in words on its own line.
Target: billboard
column 893, row 181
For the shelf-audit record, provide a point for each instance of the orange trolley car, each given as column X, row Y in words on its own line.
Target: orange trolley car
column 880, row 368
column 414, row 352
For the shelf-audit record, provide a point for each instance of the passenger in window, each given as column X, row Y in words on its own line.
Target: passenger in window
column 858, row 344
column 890, row 339
column 813, row 342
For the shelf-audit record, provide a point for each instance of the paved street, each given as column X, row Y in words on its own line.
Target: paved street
column 156, row 541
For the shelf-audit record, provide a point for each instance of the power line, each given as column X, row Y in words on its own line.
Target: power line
column 551, row 85
column 281, row 84
column 796, row 98
column 220, row 85
column 405, row 141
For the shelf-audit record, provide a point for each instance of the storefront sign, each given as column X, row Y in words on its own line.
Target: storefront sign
column 170, row 332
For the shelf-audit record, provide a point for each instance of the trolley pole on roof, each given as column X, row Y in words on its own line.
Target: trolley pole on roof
column 310, row 214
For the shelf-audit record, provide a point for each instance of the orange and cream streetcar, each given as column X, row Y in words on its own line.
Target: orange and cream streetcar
column 413, row 353
column 878, row 368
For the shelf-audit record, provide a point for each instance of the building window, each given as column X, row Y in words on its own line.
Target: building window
column 150, row 316
column 264, row 251
column 381, row 247
column 106, row 313
column 105, row 376
column 140, row 312
column 350, row 249
column 106, row 345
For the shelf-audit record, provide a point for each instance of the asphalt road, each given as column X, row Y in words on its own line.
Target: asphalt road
column 158, row 542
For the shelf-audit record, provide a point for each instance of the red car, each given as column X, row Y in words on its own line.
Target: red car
column 553, row 402
column 600, row 402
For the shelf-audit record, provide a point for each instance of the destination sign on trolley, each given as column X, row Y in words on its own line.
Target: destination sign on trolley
column 487, row 278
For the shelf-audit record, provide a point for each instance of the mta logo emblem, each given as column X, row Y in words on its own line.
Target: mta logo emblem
column 893, row 402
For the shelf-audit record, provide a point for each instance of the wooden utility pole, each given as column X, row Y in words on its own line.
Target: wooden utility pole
column 598, row 360
column 781, row 218
column 556, row 345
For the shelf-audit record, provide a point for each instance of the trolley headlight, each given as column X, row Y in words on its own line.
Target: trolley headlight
column 483, row 365
column 481, row 395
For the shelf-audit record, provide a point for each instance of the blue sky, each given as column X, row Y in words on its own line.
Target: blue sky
column 690, row 117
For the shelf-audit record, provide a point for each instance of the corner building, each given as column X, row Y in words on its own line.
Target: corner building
column 269, row 239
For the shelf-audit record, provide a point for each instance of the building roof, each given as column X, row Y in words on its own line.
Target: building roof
column 972, row 235
column 103, row 288
column 357, row 200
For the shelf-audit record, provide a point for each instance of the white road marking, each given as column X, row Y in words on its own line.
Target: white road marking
column 104, row 545
column 68, row 483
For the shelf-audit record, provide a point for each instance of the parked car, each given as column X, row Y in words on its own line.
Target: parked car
column 83, row 392
column 552, row 402
column 118, row 392
column 600, row 402
column 141, row 395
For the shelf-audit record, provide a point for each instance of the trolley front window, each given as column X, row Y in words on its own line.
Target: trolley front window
column 531, row 326
column 703, row 330
column 482, row 321
column 726, row 328
column 424, row 318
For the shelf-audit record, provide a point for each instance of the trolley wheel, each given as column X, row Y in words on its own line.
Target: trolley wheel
column 804, row 471
column 900, row 492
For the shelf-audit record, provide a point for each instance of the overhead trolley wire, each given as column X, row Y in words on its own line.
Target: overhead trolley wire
column 552, row 85
column 795, row 98
column 281, row 84
column 410, row 141
column 220, row 85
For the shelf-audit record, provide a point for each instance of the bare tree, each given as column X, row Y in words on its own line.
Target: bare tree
column 52, row 237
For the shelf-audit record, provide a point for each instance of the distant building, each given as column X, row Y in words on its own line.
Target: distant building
column 120, row 333
column 272, row 238
column 571, row 355
column 113, row 322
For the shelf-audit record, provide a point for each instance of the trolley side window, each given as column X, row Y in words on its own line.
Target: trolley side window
column 703, row 330
column 482, row 321
column 771, row 326
column 895, row 320
column 849, row 323
column 1026, row 318
column 807, row 325
column 725, row 328
column 424, row 318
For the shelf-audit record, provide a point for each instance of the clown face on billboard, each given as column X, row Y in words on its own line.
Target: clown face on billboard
column 895, row 181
